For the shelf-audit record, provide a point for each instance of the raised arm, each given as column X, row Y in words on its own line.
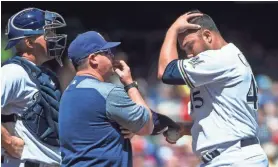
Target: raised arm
column 124, row 74
column 169, row 51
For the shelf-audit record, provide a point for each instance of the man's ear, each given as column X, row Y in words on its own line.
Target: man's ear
column 92, row 60
column 29, row 43
column 207, row 36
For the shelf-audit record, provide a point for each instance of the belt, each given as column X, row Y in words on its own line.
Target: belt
column 26, row 164
column 31, row 164
column 243, row 143
column 9, row 118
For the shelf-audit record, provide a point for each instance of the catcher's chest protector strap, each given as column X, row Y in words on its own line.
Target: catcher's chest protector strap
column 41, row 118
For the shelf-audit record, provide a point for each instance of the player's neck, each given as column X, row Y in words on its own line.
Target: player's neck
column 90, row 73
column 36, row 60
column 220, row 43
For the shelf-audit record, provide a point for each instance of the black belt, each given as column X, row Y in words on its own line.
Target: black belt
column 26, row 164
column 9, row 118
column 31, row 164
column 243, row 142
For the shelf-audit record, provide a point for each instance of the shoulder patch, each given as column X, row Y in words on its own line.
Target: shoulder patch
column 195, row 61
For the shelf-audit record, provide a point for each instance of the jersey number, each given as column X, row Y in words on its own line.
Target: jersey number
column 252, row 96
column 197, row 99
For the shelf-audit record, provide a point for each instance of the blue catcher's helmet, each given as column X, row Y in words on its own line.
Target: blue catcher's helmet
column 32, row 22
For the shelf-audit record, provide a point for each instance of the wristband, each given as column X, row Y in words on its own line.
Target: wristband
column 133, row 84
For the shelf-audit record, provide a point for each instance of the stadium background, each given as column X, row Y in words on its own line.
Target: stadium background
column 141, row 27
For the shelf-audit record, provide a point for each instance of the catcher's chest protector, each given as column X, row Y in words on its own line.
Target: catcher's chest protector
column 41, row 118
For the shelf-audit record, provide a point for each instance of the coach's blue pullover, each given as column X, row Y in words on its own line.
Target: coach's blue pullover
column 89, row 118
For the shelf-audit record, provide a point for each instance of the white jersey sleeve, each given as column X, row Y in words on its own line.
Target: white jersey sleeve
column 204, row 68
column 13, row 82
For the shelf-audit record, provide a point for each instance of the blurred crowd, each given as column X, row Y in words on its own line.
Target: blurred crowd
column 140, row 50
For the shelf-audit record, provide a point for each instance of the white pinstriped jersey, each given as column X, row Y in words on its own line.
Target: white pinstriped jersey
column 223, row 97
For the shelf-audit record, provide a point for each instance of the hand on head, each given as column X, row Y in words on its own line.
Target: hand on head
column 182, row 23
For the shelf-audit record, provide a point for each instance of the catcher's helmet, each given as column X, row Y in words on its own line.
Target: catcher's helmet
column 33, row 21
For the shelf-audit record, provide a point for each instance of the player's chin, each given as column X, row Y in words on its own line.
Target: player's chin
column 190, row 56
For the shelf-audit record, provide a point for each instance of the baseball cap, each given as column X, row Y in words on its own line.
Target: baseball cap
column 87, row 43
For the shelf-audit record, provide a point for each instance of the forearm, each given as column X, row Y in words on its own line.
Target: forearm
column 168, row 51
column 5, row 137
column 135, row 96
column 186, row 128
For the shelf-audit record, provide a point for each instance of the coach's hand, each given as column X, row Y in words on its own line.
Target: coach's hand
column 126, row 133
column 123, row 71
column 181, row 24
column 15, row 147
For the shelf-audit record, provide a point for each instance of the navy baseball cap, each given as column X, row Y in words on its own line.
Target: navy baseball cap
column 87, row 43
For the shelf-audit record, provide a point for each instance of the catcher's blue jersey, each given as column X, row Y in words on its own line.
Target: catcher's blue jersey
column 223, row 96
